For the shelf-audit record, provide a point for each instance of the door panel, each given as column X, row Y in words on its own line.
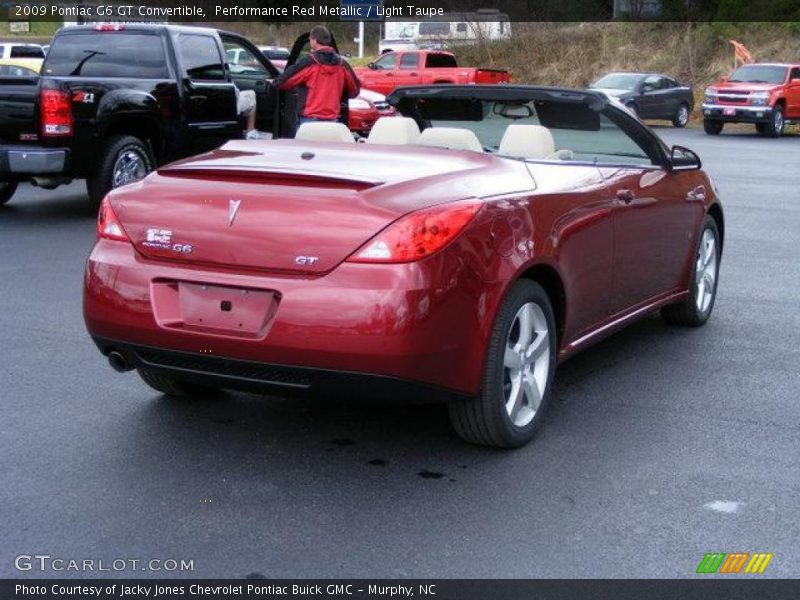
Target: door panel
column 655, row 220
column 250, row 71
column 573, row 214
column 210, row 99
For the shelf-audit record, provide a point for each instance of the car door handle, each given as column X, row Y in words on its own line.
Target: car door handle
column 415, row 75
column 627, row 196
column 698, row 194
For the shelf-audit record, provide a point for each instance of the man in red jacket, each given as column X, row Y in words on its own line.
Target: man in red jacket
column 323, row 80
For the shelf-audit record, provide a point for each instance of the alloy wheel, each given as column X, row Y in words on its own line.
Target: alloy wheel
column 526, row 364
column 706, row 271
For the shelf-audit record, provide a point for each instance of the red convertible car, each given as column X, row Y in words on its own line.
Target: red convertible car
column 460, row 253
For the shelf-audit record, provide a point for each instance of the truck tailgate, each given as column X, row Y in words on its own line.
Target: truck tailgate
column 489, row 76
column 18, row 109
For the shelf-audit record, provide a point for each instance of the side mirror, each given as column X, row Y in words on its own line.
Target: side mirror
column 372, row 66
column 647, row 87
column 723, row 79
column 683, row 159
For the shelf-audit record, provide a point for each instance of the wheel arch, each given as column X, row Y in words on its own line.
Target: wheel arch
column 142, row 126
column 550, row 279
column 715, row 212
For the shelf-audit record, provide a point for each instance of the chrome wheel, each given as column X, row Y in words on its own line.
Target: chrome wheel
column 130, row 166
column 778, row 122
column 683, row 116
column 706, row 271
column 526, row 364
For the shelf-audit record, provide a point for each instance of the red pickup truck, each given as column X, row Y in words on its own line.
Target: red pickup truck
column 767, row 94
column 422, row 67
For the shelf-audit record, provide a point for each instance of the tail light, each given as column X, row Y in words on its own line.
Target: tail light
column 56, row 113
column 108, row 225
column 418, row 234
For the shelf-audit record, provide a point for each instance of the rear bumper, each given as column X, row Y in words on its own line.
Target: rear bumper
column 741, row 114
column 23, row 161
column 283, row 380
column 396, row 322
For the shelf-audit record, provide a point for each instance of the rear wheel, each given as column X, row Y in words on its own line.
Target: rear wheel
column 7, row 189
column 697, row 308
column 774, row 127
column 174, row 387
column 712, row 127
column 681, row 117
column 123, row 159
column 518, row 375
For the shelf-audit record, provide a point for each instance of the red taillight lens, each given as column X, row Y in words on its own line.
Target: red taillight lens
column 108, row 225
column 418, row 234
column 56, row 113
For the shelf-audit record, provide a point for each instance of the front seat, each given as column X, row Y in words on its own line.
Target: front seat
column 453, row 138
column 396, row 131
column 527, row 141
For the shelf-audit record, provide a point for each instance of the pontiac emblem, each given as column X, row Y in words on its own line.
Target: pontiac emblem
column 233, row 208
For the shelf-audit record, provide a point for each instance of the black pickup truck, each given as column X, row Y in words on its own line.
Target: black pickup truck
column 115, row 101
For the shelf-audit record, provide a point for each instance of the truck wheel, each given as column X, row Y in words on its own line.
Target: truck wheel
column 7, row 189
column 712, row 127
column 774, row 127
column 123, row 159
column 681, row 117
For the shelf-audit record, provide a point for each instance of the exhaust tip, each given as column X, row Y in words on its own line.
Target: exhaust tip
column 118, row 362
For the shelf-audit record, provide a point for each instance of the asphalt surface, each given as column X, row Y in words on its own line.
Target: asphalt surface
column 648, row 430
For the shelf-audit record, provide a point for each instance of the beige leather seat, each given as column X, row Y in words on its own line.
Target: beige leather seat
column 324, row 131
column 453, row 138
column 395, row 131
column 528, row 141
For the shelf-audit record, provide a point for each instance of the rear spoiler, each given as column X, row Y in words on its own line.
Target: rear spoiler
column 269, row 175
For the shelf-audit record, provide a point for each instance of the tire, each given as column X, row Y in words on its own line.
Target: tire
column 123, row 159
column 486, row 419
column 776, row 124
column 682, row 115
column 175, row 388
column 696, row 310
column 7, row 189
column 713, row 127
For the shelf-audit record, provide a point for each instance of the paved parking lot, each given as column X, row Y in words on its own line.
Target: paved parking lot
column 662, row 444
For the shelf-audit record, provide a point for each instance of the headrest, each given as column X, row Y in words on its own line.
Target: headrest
column 394, row 130
column 527, row 141
column 453, row 138
column 324, row 131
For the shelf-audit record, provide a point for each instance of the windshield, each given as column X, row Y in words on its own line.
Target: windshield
column 618, row 81
column 759, row 74
column 535, row 129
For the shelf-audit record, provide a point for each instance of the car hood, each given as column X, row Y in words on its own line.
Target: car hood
column 744, row 86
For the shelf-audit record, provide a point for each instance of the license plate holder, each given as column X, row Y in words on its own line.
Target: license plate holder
column 729, row 112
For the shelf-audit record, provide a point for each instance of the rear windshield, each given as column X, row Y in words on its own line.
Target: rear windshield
column 26, row 52
column 107, row 54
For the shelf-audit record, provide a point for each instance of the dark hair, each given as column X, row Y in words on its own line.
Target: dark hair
column 322, row 35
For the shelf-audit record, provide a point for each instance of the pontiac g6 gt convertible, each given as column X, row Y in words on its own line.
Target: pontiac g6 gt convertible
column 460, row 253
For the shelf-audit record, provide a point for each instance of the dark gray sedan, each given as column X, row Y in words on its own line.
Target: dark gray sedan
column 650, row 95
